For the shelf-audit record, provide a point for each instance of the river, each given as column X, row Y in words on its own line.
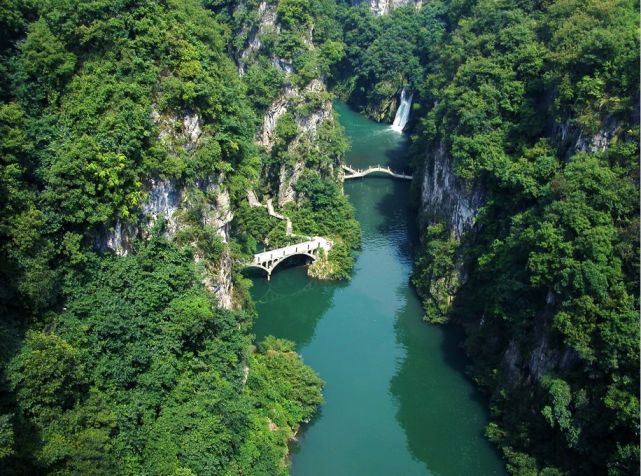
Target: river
column 396, row 399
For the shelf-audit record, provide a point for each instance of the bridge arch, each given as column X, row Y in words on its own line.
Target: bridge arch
column 278, row 262
column 257, row 266
column 271, row 266
column 271, row 259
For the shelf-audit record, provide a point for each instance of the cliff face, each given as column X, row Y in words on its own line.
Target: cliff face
column 445, row 197
column 572, row 139
column 168, row 200
column 309, row 104
column 307, row 123
column 382, row 107
column 382, row 7
column 265, row 24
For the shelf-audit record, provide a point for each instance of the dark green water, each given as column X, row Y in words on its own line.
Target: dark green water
column 396, row 399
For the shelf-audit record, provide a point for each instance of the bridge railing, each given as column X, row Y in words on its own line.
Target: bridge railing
column 375, row 168
column 286, row 251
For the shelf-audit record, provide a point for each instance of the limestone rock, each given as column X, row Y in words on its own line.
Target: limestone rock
column 444, row 196
column 383, row 7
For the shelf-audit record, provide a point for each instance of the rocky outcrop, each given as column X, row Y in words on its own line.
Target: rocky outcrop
column 218, row 280
column 382, row 109
column 287, row 178
column 307, row 122
column 218, row 213
column 280, row 106
column 119, row 239
column 294, row 98
column 531, row 355
column 572, row 139
column 168, row 199
column 382, row 7
column 445, row 197
column 163, row 201
column 265, row 23
column 178, row 132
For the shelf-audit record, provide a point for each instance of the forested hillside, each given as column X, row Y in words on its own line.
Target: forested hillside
column 526, row 141
column 285, row 50
column 142, row 142
column 128, row 141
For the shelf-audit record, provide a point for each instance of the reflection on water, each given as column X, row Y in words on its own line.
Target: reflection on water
column 291, row 303
column 372, row 143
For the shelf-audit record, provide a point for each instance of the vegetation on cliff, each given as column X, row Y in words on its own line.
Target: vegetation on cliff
column 286, row 48
column 536, row 104
column 127, row 365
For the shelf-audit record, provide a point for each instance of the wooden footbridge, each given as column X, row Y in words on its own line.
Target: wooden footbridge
column 269, row 260
column 358, row 173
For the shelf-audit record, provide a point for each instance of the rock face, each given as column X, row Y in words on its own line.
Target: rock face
column 294, row 99
column 526, row 360
column 168, row 199
column 307, row 122
column 382, row 110
column 178, row 132
column 265, row 23
column 163, row 201
column 572, row 139
column 382, row 7
column 267, row 134
column 219, row 281
column 445, row 197
column 119, row 239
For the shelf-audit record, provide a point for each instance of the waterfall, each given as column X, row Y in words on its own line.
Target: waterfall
column 403, row 112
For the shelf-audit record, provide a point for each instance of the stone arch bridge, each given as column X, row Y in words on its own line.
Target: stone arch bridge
column 269, row 260
column 357, row 173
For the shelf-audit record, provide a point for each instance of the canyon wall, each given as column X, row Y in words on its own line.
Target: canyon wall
column 382, row 7
column 169, row 200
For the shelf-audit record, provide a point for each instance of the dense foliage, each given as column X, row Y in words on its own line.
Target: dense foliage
column 140, row 373
column 126, row 365
column 547, row 282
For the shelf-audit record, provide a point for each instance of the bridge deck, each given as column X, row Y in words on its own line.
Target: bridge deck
column 357, row 173
column 305, row 247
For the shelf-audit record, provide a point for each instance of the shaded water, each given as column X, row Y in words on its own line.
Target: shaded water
column 396, row 399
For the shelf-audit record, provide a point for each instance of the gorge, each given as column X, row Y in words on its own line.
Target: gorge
column 396, row 399
column 443, row 197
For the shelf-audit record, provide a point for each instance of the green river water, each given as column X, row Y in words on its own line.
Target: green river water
column 396, row 399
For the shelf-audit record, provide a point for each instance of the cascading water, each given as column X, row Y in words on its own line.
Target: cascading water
column 403, row 112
